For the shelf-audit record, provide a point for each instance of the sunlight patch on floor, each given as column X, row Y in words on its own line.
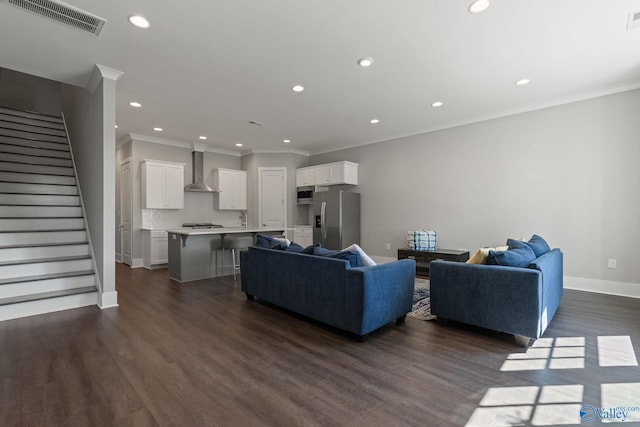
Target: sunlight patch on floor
column 616, row 351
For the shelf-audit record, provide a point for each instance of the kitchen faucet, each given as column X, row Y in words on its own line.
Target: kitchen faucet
column 243, row 218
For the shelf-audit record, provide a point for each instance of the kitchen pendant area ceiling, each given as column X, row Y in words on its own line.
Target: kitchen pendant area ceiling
column 214, row 68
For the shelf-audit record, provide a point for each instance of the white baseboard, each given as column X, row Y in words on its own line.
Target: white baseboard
column 137, row 262
column 622, row 289
column 108, row 299
column 118, row 257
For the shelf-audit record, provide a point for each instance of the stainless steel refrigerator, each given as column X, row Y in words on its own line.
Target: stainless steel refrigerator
column 336, row 219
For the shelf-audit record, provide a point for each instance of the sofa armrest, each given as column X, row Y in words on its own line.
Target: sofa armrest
column 378, row 294
column 505, row 299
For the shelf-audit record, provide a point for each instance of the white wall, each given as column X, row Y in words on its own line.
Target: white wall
column 569, row 173
column 25, row 92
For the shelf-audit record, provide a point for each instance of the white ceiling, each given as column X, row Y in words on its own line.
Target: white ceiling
column 209, row 67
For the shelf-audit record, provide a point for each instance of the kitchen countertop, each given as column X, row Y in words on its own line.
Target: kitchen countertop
column 226, row 230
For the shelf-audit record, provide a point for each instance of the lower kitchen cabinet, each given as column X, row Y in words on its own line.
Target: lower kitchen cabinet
column 155, row 248
column 303, row 236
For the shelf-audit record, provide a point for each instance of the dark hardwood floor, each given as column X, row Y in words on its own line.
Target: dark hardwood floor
column 200, row 354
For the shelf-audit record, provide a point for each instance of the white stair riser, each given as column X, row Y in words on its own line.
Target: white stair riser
column 59, row 146
column 49, row 305
column 32, row 135
column 37, row 199
column 14, row 239
column 10, row 124
column 33, row 151
column 41, row 268
column 40, row 212
column 34, row 116
column 43, row 224
column 36, row 179
column 41, row 252
column 39, row 169
column 42, row 286
column 22, row 188
column 4, row 116
column 34, row 160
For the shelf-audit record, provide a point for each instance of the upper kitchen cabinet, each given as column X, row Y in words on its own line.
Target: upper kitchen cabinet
column 305, row 177
column 232, row 187
column 331, row 174
column 162, row 185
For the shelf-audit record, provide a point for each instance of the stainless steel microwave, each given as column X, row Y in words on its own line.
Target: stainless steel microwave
column 305, row 195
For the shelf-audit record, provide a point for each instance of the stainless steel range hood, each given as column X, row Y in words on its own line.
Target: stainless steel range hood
column 198, row 183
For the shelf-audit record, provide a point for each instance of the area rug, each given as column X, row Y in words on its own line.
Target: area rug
column 421, row 301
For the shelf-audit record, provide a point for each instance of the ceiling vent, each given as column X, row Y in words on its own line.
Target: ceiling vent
column 62, row 13
column 634, row 21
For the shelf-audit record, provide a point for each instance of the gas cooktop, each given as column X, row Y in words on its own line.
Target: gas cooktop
column 200, row 225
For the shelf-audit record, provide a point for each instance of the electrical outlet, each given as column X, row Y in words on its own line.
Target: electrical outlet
column 388, row 245
column 612, row 263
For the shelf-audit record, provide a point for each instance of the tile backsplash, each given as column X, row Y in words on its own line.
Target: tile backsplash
column 198, row 207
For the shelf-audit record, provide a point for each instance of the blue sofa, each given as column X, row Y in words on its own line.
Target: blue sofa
column 515, row 300
column 358, row 300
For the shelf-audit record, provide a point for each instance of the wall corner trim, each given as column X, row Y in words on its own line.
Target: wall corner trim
column 101, row 72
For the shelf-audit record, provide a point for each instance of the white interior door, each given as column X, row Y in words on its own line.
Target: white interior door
column 272, row 203
column 125, row 212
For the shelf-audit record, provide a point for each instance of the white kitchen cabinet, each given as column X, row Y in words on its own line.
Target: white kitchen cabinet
column 305, row 177
column 330, row 174
column 232, row 187
column 155, row 248
column 162, row 185
column 303, row 236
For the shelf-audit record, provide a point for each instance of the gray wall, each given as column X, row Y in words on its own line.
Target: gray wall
column 569, row 173
column 296, row 215
column 25, row 92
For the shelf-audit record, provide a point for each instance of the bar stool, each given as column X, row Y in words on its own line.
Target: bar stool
column 216, row 245
column 233, row 243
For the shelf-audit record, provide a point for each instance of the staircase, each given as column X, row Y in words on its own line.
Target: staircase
column 45, row 261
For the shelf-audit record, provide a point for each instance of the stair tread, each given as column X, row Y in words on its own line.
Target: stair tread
column 43, row 260
column 47, row 295
column 46, row 277
column 23, row 113
column 37, row 245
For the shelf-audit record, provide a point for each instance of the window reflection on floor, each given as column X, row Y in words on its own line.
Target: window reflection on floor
column 561, row 404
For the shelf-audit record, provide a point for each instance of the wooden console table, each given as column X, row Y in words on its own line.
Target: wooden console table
column 424, row 258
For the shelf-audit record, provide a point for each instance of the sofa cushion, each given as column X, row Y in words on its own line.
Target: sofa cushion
column 538, row 245
column 294, row 247
column 269, row 242
column 365, row 259
column 352, row 256
column 519, row 254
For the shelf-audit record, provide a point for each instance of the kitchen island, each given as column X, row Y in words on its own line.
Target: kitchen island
column 195, row 254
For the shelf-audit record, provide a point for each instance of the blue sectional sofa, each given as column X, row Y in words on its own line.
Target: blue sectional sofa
column 354, row 299
column 514, row 300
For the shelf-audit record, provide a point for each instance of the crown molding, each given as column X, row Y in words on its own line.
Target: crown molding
column 181, row 144
column 276, row 151
column 100, row 72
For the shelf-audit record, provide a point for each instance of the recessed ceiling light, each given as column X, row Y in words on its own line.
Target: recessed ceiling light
column 238, row 145
column 297, row 88
column 202, row 137
column 374, row 121
column 437, row 104
column 365, row 62
column 523, row 82
column 115, row 126
column 139, row 21
column 135, row 104
column 479, row 6
column 286, row 141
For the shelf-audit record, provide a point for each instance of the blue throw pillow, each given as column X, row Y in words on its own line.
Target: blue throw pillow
column 538, row 245
column 309, row 249
column 269, row 242
column 352, row 256
column 294, row 247
column 516, row 256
